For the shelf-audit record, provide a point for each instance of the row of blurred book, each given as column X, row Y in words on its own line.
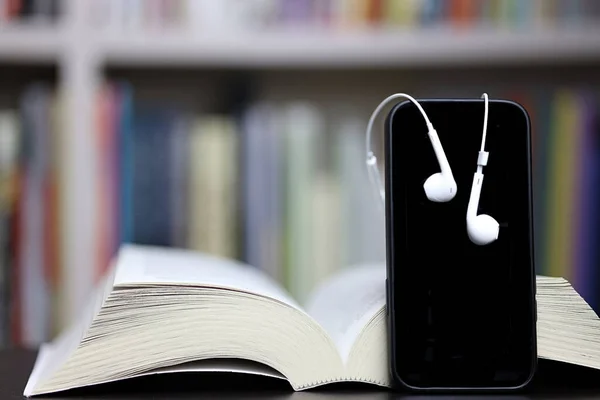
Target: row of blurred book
column 28, row 221
column 279, row 186
column 282, row 186
column 29, row 10
column 226, row 15
column 566, row 177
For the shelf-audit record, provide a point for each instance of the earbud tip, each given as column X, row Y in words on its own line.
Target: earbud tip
column 483, row 230
column 439, row 189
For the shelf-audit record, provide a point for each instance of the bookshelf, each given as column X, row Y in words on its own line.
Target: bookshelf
column 381, row 59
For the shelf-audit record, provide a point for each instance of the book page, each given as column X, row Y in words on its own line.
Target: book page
column 148, row 265
column 344, row 305
column 52, row 355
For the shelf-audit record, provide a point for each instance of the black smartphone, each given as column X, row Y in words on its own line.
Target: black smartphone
column 461, row 316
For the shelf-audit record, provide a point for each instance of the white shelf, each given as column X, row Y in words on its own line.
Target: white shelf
column 46, row 43
column 375, row 49
column 31, row 43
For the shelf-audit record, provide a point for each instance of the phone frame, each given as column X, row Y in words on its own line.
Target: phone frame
column 390, row 255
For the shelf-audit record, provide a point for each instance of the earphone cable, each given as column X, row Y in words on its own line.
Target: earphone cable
column 374, row 175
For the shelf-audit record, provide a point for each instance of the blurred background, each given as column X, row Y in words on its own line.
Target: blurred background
column 236, row 127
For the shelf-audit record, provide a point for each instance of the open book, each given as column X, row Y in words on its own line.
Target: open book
column 166, row 310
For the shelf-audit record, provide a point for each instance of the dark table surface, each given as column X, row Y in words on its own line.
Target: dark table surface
column 553, row 381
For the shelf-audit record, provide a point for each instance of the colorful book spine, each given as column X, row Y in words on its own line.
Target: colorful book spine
column 9, row 150
column 213, row 186
column 541, row 179
column 126, row 161
column 151, row 199
column 562, row 156
column 303, row 126
column 594, row 217
column 35, row 274
column 179, row 180
column 462, row 12
column 585, row 210
column 106, row 135
column 326, row 227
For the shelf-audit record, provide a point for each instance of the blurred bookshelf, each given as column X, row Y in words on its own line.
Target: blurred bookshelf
column 283, row 85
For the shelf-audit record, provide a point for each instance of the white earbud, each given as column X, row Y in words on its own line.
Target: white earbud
column 439, row 187
column 482, row 229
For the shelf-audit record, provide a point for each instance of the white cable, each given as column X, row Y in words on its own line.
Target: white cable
column 485, row 121
column 373, row 170
column 482, row 159
column 374, row 175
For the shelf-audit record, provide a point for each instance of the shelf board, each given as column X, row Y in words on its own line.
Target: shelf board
column 30, row 43
column 43, row 43
column 351, row 50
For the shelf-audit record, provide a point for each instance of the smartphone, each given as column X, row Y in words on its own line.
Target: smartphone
column 461, row 316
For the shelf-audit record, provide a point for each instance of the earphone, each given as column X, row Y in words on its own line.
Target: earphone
column 482, row 229
column 441, row 187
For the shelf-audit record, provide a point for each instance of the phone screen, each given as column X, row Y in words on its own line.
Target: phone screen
column 461, row 315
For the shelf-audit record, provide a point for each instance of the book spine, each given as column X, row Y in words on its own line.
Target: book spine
column 195, row 201
column 374, row 12
column 4, row 273
column 254, row 182
column 52, row 241
column 541, row 141
column 222, row 184
column 56, row 240
column 262, row 188
column 362, row 226
column 462, row 13
column 107, row 135
column 594, row 218
column 586, row 225
column 273, row 167
column 303, row 126
column 9, row 146
column 126, row 162
column 326, row 222
column 179, row 180
column 102, row 216
column 562, row 159
column 213, row 182
column 34, row 276
column 151, row 172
